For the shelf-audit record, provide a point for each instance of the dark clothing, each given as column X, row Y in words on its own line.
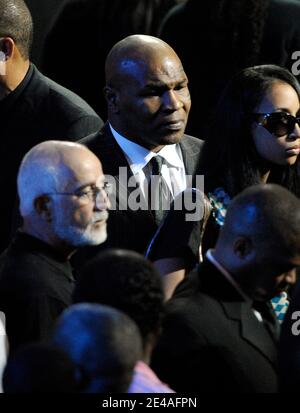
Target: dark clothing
column 127, row 228
column 37, row 110
column 104, row 23
column 213, row 342
column 212, row 38
column 179, row 238
column 36, row 284
column 289, row 354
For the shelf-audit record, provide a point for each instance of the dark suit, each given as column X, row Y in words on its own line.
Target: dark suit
column 37, row 110
column 212, row 340
column 133, row 229
column 289, row 353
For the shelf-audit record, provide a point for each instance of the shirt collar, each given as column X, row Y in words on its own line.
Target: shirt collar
column 212, row 259
column 138, row 156
column 10, row 99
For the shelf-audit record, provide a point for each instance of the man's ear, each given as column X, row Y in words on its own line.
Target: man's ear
column 42, row 206
column 111, row 96
column 243, row 247
column 7, row 46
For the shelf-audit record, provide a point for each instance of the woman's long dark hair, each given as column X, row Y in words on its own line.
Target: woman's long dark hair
column 229, row 158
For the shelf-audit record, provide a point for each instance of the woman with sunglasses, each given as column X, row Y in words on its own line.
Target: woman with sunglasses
column 254, row 138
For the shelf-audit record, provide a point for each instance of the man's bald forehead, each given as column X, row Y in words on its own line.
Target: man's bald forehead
column 133, row 50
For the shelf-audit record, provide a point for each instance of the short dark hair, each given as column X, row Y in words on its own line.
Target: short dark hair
column 102, row 342
column 270, row 214
column 16, row 22
column 127, row 281
column 229, row 158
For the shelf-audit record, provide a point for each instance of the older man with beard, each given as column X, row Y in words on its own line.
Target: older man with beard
column 63, row 203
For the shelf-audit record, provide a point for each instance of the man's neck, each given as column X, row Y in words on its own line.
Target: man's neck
column 13, row 77
column 66, row 250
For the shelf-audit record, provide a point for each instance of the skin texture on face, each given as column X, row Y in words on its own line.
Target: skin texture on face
column 261, row 248
column 78, row 221
column 147, row 92
column 281, row 274
column 284, row 150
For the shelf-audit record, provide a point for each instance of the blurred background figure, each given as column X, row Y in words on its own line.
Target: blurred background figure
column 127, row 281
column 103, row 343
column 226, row 36
column 39, row 368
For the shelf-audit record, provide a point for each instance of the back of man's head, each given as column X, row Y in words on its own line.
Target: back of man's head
column 127, row 281
column 16, row 23
column 259, row 242
column 104, row 344
column 269, row 214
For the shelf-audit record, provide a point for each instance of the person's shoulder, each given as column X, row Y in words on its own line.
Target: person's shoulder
column 191, row 143
column 97, row 139
column 65, row 98
column 20, row 268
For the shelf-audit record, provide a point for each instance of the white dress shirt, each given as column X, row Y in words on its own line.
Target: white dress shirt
column 173, row 170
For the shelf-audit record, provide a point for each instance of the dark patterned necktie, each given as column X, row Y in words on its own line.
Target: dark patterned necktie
column 269, row 318
column 160, row 196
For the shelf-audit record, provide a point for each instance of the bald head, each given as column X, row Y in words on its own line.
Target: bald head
column 50, row 167
column 133, row 51
column 147, row 92
column 260, row 241
column 268, row 214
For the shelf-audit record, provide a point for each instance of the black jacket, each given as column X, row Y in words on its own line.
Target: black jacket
column 213, row 342
column 37, row 110
column 127, row 228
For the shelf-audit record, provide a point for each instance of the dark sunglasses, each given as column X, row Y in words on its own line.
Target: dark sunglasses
column 277, row 123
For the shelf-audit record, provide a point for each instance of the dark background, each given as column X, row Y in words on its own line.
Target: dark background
column 43, row 12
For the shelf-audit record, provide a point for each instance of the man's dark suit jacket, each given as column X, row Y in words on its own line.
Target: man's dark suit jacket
column 133, row 229
column 212, row 340
column 37, row 110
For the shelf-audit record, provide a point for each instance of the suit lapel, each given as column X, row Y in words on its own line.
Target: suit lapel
column 256, row 334
column 190, row 154
column 237, row 309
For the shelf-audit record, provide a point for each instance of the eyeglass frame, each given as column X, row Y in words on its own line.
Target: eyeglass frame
column 91, row 194
column 265, row 116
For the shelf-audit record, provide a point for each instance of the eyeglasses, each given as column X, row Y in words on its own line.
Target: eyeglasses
column 278, row 123
column 87, row 196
